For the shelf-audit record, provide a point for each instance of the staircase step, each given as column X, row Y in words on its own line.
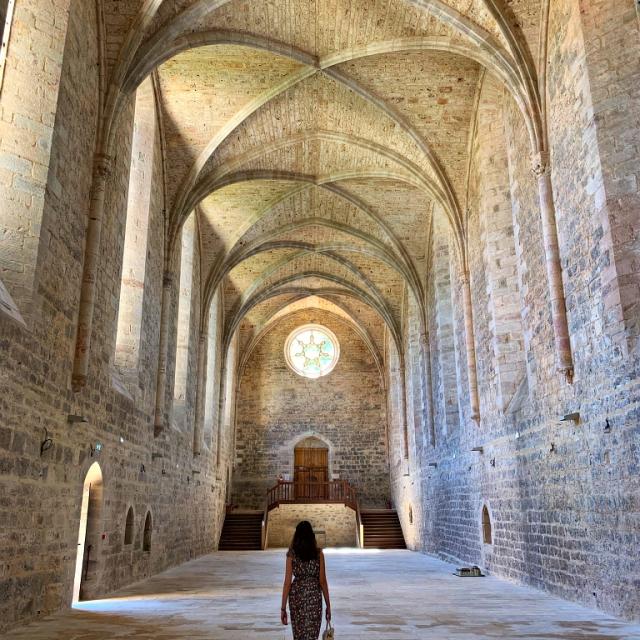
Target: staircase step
column 382, row 530
column 241, row 532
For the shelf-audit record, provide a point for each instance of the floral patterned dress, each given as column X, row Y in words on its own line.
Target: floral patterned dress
column 305, row 599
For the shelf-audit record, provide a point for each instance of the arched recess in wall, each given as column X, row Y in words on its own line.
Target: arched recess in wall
column 487, row 529
column 225, row 436
column 87, row 568
column 213, row 371
column 147, row 532
column 188, row 260
column 493, row 218
column 129, row 527
column 29, row 155
column 418, row 400
column 445, row 372
column 134, row 259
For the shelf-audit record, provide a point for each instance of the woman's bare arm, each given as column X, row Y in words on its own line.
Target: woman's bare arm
column 325, row 585
column 285, row 590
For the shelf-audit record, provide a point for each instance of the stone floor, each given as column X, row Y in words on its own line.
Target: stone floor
column 390, row 595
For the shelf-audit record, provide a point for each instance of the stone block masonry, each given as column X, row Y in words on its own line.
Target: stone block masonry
column 277, row 408
column 334, row 524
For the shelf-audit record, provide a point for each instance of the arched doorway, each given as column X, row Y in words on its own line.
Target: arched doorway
column 311, row 468
column 88, row 533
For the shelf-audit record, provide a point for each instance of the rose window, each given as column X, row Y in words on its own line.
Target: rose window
column 312, row 351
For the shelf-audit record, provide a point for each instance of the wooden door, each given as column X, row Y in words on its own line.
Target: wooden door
column 311, row 466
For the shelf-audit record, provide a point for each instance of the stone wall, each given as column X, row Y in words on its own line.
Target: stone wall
column 47, row 141
column 562, row 495
column 334, row 524
column 276, row 408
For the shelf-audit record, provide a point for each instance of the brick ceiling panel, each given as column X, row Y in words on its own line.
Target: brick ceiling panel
column 242, row 277
column 315, row 106
column 309, row 203
column 226, row 214
column 322, row 28
column 434, row 92
column 355, row 113
column 269, row 313
column 328, row 25
column 320, row 158
column 294, row 267
column 204, row 89
column 406, row 209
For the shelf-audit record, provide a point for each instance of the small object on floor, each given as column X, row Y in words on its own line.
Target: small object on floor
column 469, row 572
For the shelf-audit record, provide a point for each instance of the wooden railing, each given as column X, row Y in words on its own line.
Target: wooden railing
column 333, row 491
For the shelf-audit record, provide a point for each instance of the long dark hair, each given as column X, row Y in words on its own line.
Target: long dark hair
column 304, row 545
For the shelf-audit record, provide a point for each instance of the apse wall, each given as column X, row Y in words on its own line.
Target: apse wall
column 276, row 408
column 44, row 453
column 556, row 464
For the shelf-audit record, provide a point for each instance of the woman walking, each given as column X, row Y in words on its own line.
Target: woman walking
column 305, row 565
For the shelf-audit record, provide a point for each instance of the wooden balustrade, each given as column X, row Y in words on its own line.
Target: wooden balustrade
column 333, row 491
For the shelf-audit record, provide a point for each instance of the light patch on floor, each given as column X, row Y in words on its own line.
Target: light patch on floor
column 390, row 595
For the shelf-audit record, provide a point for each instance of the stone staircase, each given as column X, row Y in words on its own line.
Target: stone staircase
column 382, row 529
column 242, row 531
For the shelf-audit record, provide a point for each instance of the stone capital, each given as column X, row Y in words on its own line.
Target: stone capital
column 167, row 279
column 102, row 166
column 541, row 164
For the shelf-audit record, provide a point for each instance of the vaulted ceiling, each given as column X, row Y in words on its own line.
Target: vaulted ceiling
column 316, row 139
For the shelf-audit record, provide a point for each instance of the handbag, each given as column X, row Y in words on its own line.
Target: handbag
column 328, row 632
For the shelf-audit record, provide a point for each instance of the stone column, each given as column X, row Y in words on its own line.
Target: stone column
column 200, row 393
column 542, row 171
column 427, row 397
column 161, row 380
column 221, row 407
column 472, row 372
column 102, row 165
column 403, row 399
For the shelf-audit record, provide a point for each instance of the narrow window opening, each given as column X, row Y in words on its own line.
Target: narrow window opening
column 146, row 539
column 212, row 385
column 184, row 320
column 6, row 15
column 410, row 514
column 88, row 553
column 134, row 260
column 486, row 526
column 128, row 529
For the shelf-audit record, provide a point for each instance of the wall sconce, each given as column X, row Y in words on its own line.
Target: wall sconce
column 552, row 448
column 607, row 426
column 72, row 419
column 47, row 443
column 492, row 462
column 142, row 468
column 571, row 417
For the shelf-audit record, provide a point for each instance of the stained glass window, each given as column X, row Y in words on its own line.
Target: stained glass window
column 312, row 351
